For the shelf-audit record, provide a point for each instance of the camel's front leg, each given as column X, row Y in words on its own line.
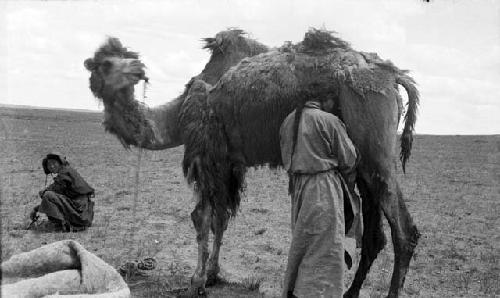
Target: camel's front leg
column 201, row 217
column 219, row 225
column 373, row 237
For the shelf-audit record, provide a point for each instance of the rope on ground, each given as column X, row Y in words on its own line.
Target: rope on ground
column 137, row 267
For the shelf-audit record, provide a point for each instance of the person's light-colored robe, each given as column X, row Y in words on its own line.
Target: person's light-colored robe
column 316, row 258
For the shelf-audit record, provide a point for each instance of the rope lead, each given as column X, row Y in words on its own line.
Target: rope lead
column 138, row 164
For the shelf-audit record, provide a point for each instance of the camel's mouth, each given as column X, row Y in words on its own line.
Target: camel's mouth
column 134, row 71
column 136, row 77
column 141, row 76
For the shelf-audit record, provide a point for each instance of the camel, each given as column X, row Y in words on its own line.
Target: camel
column 228, row 118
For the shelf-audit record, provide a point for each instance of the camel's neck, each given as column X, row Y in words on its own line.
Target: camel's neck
column 136, row 124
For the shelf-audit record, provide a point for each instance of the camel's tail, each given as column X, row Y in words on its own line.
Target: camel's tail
column 410, row 117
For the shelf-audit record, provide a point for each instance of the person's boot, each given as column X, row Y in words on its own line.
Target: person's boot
column 54, row 224
column 65, row 227
column 78, row 228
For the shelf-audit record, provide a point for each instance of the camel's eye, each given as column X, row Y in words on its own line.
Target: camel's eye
column 106, row 66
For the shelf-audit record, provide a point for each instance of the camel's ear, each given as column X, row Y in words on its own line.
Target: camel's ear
column 89, row 64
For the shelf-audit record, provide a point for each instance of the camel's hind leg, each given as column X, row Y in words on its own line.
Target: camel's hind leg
column 373, row 237
column 201, row 217
column 219, row 225
column 403, row 231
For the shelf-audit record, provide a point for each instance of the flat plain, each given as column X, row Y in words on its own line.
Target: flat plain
column 451, row 189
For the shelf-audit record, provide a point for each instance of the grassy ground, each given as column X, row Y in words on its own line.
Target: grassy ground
column 451, row 189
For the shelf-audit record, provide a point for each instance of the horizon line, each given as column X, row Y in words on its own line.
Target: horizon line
column 28, row 107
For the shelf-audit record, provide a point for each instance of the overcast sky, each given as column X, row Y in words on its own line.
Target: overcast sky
column 452, row 48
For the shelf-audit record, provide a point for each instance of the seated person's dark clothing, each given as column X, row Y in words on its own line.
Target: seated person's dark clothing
column 67, row 200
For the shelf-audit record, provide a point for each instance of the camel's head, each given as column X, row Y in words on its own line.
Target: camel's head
column 113, row 68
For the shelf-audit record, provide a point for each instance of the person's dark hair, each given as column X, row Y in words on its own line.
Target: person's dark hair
column 314, row 91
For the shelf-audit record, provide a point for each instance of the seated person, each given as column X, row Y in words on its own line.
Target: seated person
column 66, row 202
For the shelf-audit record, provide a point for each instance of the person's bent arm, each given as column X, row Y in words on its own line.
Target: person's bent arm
column 343, row 149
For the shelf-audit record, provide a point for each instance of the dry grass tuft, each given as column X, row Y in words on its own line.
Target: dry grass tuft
column 252, row 282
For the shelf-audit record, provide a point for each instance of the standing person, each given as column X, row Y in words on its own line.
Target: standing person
column 66, row 202
column 316, row 153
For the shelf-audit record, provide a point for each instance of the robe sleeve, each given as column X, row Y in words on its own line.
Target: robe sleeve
column 62, row 183
column 64, row 179
column 51, row 187
column 58, row 186
column 343, row 148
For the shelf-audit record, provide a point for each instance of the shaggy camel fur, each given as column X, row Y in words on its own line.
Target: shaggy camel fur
column 229, row 116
